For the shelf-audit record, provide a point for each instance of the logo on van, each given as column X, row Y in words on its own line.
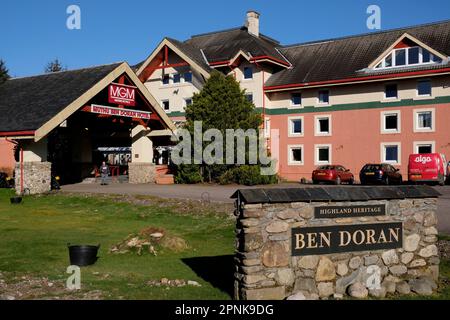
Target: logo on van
column 422, row 159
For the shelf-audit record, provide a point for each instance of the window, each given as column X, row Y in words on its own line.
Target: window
column 176, row 78
column 324, row 97
column 166, row 79
column 424, row 120
column 424, row 88
column 390, row 91
column 390, row 121
column 295, row 155
column 295, row 126
column 296, row 99
column 165, row 104
column 323, row 125
column 249, row 97
column 390, row 152
column 322, row 154
column 424, row 146
column 187, row 76
column 407, row 56
column 187, row 101
column 248, row 73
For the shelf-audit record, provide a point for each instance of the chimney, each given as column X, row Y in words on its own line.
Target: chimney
column 252, row 23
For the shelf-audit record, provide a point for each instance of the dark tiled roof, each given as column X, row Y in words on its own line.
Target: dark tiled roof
column 224, row 45
column 314, row 194
column 28, row 103
column 191, row 51
column 345, row 57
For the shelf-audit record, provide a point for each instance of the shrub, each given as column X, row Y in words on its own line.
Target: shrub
column 248, row 175
column 188, row 174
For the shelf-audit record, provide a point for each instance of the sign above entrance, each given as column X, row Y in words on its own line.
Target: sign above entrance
column 119, row 112
column 122, row 94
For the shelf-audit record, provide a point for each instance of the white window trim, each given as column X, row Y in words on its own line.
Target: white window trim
column 173, row 78
column 420, row 63
column 248, row 79
column 162, row 104
column 248, row 94
column 185, row 102
column 321, row 104
column 317, row 133
column 383, row 146
column 291, row 127
column 291, row 161
column 386, row 99
column 316, row 154
column 383, row 122
column 296, row 106
column 416, row 145
column 183, row 80
column 424, row 96
column 170, row 81
column 416, row 118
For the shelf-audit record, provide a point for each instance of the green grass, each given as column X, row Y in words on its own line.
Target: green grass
column 34, row 237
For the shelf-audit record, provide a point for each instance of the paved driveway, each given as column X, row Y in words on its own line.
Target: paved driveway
column 216, row 193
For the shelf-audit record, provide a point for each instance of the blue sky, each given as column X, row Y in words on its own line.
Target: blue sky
column 34, row 32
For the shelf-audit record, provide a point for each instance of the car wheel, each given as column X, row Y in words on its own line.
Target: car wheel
column 351, row 181
column 338, row 181
column 315, row 182
column 386, row 181
column 441, row 181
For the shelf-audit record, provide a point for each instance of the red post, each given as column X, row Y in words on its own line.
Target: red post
column 21, row 170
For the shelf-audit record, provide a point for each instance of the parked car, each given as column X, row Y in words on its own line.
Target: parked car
column 427, row 168
column 380, row 173
column 332, row 174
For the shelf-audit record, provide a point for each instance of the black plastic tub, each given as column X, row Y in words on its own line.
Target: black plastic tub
column 15, row 200
column 83, row 255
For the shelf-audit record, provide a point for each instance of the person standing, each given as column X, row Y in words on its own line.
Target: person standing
column 104, row 172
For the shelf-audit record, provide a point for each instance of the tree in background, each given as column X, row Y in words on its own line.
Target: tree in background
column 221, row 105
column 54, row 66
column 4, row 75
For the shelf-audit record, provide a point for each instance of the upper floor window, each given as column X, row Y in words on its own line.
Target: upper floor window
column 407, row 56
column 166, row 79
column 390, row 91
column 165, row 104
column 424, row 88
column 187, row 76
column 248, row 73
column 296, row 99
column 249, row 97
column 176, row 78
column 324, row 97
column 188, row 101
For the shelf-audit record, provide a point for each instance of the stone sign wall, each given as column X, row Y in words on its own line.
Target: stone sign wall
column 376, row 241
column 37, row 177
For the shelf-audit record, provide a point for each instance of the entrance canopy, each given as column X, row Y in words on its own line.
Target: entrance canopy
column 32, row 107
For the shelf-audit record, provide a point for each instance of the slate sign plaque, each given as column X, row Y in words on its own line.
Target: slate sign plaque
column 346, row 238
column 349, row 211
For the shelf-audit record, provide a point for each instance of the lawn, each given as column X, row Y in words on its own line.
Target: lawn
column 34, row 237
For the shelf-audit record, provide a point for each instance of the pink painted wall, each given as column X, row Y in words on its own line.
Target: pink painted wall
column 6, row 157
column 356, row 138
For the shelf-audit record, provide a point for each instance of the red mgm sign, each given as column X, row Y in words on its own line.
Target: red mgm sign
column 122, row 94
column 119, row 112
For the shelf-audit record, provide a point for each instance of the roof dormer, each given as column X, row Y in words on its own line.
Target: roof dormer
column 407, row 51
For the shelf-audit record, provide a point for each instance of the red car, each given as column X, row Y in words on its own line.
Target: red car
column 332, row 174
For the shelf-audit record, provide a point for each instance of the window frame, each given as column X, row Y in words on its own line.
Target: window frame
column 291, row 161
column 321, row 104
column 292, row 104
column 244, row 78
column 162, row 104
column 383, row 147
column 417, row 144
column 424, row 95
column 316, row 154
column 385, row 91
column 416, row 113
column 318, row 133
column 168, row 80
column 185, row 101
column 184, row 77
column 178, row 75
column 407, row 64
column 247, row 94
column 383, row 115
column 291, row 126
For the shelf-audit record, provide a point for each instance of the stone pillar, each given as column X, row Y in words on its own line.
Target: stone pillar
column 36, row 171
column 36, row 177
column 139, row 173
column 141, row 168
